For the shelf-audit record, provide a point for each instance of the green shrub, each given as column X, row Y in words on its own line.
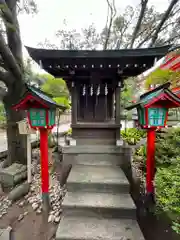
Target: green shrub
column 167, row 178
column 133, row 135
column 168, row 192
column 69, row 132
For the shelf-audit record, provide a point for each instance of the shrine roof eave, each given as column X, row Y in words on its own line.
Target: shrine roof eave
column 81, row 63
column 45, row 98
column 163, row 89
column 39, row 96
column 162, row 86
column 40, row 54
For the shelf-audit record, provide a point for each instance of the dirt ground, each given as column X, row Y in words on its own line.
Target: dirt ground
column 157, row 229
column 32, row 226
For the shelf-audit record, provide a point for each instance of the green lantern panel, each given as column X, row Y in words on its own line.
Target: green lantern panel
column 38, row 117
column 52, row 115
column 141, row 116
column 156, row 116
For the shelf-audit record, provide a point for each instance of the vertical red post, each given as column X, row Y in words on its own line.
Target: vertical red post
column 44, row 167
column 150, row 164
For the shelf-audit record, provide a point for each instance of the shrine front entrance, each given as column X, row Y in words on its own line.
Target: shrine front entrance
column 98, row 204
column 94, row 116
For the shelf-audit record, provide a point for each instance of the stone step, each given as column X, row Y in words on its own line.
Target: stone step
column 99, row 204
column 98, row 159
column 111, row 149
column 106, row 179
column 87, row 228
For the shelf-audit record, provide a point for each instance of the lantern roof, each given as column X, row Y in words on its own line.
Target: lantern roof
column 82, row 63
column 34, row 97
column 161, row 95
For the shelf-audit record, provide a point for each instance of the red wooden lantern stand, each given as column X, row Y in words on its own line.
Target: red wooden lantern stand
column 44, row 166
column 41, row 116
column 150, row 163
column 152, row 109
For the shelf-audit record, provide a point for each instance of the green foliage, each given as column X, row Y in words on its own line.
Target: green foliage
column 129, row 91
column 69, row 132
column 167, row 176
column 162, row 76
column 54, row 86
column 2, row 115
column 62, row 101
column 167, row 192
column 142, row 151
column 133, row 135
column 167, row 179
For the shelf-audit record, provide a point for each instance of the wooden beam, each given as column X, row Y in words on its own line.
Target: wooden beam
column 117, row 110
column 74, row 103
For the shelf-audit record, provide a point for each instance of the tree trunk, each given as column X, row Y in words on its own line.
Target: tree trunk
column 17, row 144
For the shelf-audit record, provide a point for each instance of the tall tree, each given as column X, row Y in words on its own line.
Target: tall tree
column 138, row 26
column 12, row 73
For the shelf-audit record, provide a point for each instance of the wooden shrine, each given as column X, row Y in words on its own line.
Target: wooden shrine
column 95, row 80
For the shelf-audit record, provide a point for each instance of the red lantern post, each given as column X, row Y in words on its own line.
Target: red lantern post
column 152, row 109
column 44, row 166
column 41, row 116
column 150, row 163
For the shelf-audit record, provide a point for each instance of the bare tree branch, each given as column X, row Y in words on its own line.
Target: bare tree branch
column 138, row 25
column 147, row 38
column 112, row 9
column 171, row 39
column 163, row 20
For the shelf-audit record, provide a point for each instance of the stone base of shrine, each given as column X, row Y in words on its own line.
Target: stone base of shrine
column 97, row 155
column 95, row 133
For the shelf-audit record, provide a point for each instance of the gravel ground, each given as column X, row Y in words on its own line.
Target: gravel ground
column 25, row 216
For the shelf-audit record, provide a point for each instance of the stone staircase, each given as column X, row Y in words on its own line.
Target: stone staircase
column 98, row 204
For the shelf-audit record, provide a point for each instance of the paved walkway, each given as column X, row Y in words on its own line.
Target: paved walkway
column 3, row 137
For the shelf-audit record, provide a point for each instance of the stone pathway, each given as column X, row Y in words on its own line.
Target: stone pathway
column 98, row 204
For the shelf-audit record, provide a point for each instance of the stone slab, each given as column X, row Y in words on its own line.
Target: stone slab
column 99, row 204
column 76, row 228
column 5, row 234
column 86, row 149
column 13, row 174
column 97, row 178
column 19, row 191
column 98, row 159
